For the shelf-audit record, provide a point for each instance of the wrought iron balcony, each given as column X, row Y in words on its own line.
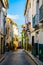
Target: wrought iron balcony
column 41, row 14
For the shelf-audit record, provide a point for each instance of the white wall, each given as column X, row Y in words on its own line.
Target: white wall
column 26, row 19
column 1, row 20
column 36, row 38
column 40, row 3
column 15, row 30
column 41, row 37
column 30, row 39
column 34, row 8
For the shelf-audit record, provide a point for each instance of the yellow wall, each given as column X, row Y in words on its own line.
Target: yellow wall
column 16, row 43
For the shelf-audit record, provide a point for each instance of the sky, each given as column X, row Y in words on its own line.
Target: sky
column 16, row 12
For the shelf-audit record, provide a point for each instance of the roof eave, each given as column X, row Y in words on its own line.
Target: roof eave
column 26, row 8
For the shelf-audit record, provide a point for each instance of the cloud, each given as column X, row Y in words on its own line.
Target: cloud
column 13, row 16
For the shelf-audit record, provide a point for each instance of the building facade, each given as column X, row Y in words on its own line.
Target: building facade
column 38, row 25
column 23, row 36
column 15, row 36
column 3, row 8
column 34, row 14
column 28, row 20
column 9, row 33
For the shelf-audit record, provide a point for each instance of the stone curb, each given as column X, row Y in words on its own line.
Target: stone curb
column 4, row 56
column 2, row 59
column 30, row 55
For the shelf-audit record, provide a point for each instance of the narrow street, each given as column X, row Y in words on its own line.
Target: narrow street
column 17, row 58
column 21, row 27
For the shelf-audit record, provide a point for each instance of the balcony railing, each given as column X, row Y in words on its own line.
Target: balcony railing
column 41, row 13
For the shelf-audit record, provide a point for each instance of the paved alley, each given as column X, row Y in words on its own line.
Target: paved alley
column 17, row 58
